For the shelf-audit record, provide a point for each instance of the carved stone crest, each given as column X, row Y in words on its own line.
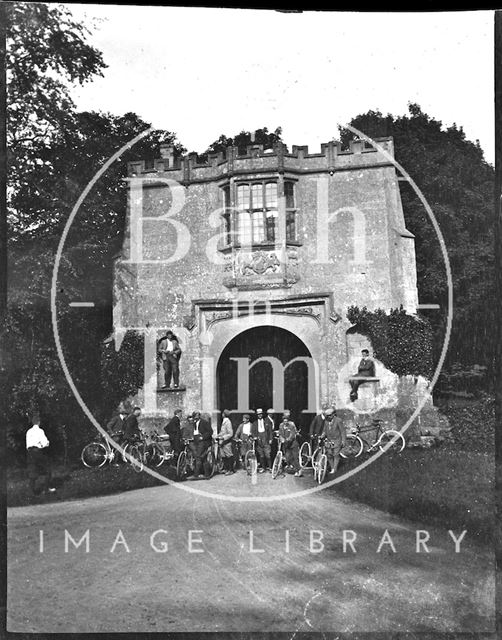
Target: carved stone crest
column 258, row 263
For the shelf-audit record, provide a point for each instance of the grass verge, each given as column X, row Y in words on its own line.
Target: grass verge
column 445, row 486
column 80, row 482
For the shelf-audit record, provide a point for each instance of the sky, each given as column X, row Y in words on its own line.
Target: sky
column 201, row 72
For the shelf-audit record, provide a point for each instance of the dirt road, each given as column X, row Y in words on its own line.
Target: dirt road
column 241, row 573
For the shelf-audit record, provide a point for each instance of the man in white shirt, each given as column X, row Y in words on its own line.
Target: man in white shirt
column 37, row 460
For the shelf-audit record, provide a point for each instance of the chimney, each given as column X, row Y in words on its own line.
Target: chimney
column 167, row 154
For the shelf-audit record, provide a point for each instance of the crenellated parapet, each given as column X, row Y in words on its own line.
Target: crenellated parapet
column 332, row 157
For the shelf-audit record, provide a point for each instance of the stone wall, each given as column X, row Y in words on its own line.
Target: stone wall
column 363, row 255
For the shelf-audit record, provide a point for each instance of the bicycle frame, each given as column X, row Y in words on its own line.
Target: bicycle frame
column 377, row 427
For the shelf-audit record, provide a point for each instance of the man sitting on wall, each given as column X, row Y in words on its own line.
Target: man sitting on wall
column 365, row 370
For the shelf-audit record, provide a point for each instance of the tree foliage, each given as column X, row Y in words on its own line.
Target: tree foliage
column 54, row 151
column 243, row 139
column 46, row 53
column 458, row 184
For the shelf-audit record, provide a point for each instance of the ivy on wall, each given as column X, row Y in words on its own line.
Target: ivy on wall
column 402, row 342
column 122, row 371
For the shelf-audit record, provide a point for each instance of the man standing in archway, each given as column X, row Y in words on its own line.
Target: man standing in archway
column 264, row 434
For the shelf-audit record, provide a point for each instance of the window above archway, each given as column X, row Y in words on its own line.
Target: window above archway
column 251, row 212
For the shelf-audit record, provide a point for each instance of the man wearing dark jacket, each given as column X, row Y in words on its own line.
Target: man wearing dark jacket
column 263, row 430
column 317, row 424
column 365, row 370
column 287, row 435
column 202, row 440
column 170, row 353
column 334, row 432
column 173, row 430
column 115, row 426
column 131, row 426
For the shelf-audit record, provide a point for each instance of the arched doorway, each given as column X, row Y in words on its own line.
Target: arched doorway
column 259, row 342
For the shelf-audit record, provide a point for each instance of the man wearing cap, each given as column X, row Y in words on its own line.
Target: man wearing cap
column 334, row 432
column 287, row 435
column 365, row 370
column 245, row 431
column 317, row 426
column 261, row 427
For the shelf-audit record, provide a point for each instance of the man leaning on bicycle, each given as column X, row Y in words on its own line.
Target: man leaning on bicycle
column 334, row 433
column 132, row 432
column 202, row 436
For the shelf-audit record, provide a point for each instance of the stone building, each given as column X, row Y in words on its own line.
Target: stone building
column 259, row 256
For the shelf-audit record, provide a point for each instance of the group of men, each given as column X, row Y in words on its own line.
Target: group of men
column 259, row 433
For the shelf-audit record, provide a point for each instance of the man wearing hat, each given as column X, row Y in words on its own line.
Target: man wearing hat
column 269, row 420
column 317, row 426
column 202, row 440
column 244, row 433
column 334, row 432
column 262, row 429
column 287, row 435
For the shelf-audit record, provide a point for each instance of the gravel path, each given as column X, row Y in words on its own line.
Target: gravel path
column 227, row 586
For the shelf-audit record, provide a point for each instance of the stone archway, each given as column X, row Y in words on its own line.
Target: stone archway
column 257, row 347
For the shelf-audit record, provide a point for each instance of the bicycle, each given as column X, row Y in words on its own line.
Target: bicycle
column 307, row 453
column 279, row 457
column 250, row 459
column 156, row 453
column 217, row 457
column 95, row 454
column 186, row 461
column 320, row 461
column 134, row 452
column 385, row 440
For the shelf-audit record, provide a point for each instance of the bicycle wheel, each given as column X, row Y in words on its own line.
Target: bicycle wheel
column 94, row 455
column 251, row 463
column 209, row 464
column 394, row 437
column 155, row 455
column 321, row 465
column 135, row 458
column 353, row 447
column 181, row 466
column 277, row 466
column 219, row 462
column 305, row 455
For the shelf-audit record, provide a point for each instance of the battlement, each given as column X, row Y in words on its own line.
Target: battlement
column 332, row 157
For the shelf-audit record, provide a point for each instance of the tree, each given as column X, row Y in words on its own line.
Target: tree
column 46, row 52
column 243, row 139
column 458, row 184
column 53, row 153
